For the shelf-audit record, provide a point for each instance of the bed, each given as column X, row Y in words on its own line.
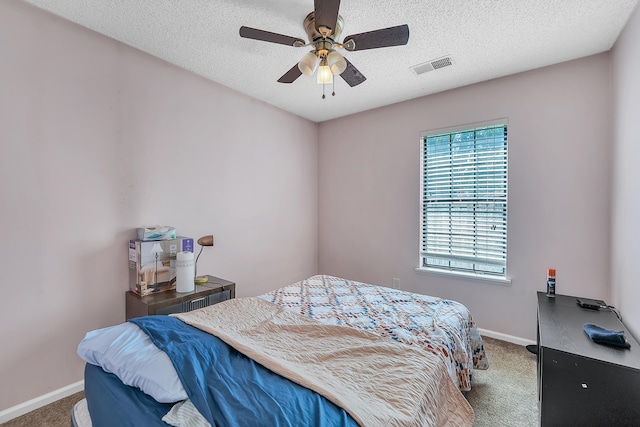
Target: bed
column 324, row 351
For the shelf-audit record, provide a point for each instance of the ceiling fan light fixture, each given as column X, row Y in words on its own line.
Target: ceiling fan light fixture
column 324, row 27
column 336, row 62
column 308, row 63
column 324, row 74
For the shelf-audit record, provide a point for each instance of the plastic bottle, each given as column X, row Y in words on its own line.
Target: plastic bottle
column 551, row 282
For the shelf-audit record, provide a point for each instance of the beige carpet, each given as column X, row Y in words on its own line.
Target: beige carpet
column 507, row 393
column 503, row 395
column 56, row 414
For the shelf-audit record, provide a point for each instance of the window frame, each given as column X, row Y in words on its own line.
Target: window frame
column 500, row 278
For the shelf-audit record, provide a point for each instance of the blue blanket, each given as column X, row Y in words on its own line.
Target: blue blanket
column 230, row 389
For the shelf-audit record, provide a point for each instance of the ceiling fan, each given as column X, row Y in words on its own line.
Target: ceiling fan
column 323, row 27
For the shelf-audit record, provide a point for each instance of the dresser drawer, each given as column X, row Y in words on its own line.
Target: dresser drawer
column 195, row 303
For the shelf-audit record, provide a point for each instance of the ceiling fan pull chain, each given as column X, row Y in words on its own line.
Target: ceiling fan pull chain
column 323, row 91
column 333, row 85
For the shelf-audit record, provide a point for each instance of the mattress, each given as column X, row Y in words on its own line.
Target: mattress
column 80, row 415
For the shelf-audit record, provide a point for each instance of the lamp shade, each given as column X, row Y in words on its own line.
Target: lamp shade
column 308, row 64
column 206, row 240
column 156, row 249
column 324, row 75
column 336, row 62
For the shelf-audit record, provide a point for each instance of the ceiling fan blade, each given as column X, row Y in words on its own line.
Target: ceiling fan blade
column 267, row 36
column 386, row 37
column 326, row 14
column 351, row 75
column 291, row 75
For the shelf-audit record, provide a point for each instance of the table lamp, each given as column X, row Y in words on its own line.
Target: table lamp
column 156, row 250
column 203, row 241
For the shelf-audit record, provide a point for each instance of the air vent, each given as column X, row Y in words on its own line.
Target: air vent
column 434, row 64
column 422, row 68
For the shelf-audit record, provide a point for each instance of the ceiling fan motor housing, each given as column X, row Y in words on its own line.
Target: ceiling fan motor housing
column 323, row 44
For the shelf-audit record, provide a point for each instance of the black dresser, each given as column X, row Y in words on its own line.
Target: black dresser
column 581, row 383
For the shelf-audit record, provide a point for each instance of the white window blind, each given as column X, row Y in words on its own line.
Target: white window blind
column 464, row 200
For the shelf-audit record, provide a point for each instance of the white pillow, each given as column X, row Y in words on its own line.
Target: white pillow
column 127, row 352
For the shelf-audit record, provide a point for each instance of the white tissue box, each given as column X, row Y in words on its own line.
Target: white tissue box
column 157, row 233
column 143, row 267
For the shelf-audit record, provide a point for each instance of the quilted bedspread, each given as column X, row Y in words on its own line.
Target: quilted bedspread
column 442, row 327
column 378, row 382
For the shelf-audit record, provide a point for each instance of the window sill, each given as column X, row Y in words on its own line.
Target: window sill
column 462, row 275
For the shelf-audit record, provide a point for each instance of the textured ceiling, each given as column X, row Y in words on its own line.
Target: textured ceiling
column 485, row 39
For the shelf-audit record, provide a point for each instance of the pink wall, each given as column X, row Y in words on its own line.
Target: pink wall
column 97, row 139
column 559, row 185
column 625, row 240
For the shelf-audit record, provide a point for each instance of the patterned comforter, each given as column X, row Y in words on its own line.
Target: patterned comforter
column 442, row 327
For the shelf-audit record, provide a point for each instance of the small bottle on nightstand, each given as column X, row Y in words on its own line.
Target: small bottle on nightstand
column 551, row 282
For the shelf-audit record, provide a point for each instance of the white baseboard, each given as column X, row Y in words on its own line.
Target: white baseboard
column 38, row 402
column 505, row 337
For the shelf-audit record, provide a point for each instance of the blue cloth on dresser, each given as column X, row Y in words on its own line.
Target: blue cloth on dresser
column 604, row 336
column 230, row 389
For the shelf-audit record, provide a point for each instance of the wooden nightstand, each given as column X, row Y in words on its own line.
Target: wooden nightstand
column 214, row 291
